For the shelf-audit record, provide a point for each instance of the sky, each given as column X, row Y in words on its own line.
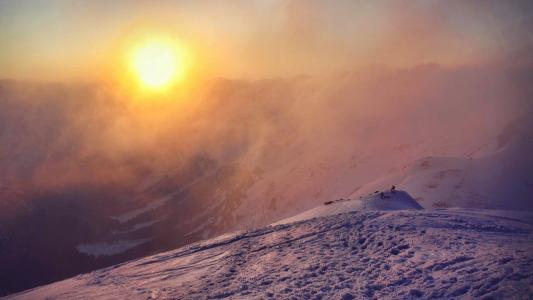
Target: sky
column 69, row 39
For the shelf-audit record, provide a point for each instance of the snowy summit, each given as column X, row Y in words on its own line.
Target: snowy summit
column 370, row 248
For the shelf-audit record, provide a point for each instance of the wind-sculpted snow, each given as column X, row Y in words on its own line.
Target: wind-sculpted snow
column 363, row 254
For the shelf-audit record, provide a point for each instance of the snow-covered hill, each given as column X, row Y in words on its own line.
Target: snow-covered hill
column 496, row 177
column 384, row 254
column 375, row 201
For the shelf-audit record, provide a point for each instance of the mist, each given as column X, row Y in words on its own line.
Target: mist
column 62, row 136
column 287, row 105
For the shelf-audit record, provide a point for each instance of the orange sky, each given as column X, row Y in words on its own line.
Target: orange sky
column 262, row 38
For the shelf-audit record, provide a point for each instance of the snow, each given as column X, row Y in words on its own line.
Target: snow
column 136, row 212
column 489, row 169
column 110, row 248
column 139, row 226
column 393, row 201
column 494, row 181
column 124, row 217
column 363, row 254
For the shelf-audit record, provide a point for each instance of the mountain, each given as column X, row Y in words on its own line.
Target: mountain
column 343, row 250
column 481, row 181
column 495, row 176
column 91, row 178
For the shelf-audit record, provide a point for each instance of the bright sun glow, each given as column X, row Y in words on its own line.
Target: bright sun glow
column 157, row 63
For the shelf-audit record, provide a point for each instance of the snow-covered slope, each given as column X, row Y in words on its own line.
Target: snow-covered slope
column 360, row 254
column 501, row 180
column 491, row 172
column 391, row 201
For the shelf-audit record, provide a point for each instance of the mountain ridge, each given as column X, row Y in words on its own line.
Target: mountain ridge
column 452, row 253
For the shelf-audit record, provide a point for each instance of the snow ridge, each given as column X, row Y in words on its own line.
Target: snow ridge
column 407, row 254
column 374, row 201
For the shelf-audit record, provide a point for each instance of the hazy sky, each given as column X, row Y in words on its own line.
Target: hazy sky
column 261, row 38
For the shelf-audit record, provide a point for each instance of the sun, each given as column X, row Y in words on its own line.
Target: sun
column 157, row 63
